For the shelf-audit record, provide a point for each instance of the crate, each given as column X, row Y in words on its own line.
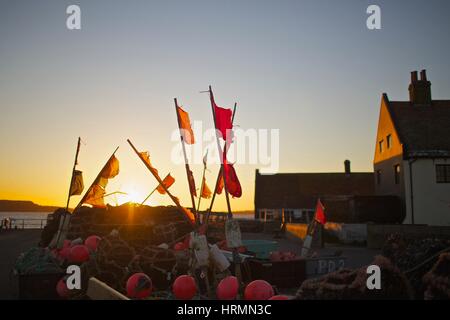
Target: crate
column 283, row 274
column 260, row 248
column 39, row 286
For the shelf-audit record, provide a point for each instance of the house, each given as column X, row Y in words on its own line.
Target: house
column 347, row 197
column 412, row 153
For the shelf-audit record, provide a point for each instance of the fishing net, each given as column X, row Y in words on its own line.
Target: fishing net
column 352, row 284
column 437, row 280
column 37, row 261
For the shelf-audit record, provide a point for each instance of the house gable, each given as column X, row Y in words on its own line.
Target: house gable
column 386, row 131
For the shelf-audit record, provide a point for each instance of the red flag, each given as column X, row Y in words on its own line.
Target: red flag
column 233, row 184
column 320, row 213
column 220, row 185
column 223, row 120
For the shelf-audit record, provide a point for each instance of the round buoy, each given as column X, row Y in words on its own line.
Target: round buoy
column 64, row 253
column 92, row 242
column 258, row 290
column 228, row 288
column 184, row 287
column 79, row 254
column 279, row 297
column 139, row 286
column 61, row 288
column 179, row 246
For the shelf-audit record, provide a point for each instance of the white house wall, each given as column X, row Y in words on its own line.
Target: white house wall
column 431, row 200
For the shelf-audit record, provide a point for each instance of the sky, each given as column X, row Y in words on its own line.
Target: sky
column 311, row 69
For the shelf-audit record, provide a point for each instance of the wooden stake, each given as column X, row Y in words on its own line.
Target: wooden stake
column 186, row 162
column 62, row 222
column 219, row 175
column 175, row 200
column 203, row 182
column 153, row 191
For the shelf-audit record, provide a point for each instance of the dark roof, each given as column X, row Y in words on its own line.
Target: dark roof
column 301, row 190
column 423, row 130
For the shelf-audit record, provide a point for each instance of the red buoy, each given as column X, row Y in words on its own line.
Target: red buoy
column 279, row 297
column 179, row 246
column 79, row 254
column 139, row 286
column 184, row 287
column 61, row 288
column 258, row 290
column 64, row 253
column 92, row 242
column 228, row 288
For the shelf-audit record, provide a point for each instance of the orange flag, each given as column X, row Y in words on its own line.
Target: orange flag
column 168, row 181
column 205, row 192
column 96, row 197
column 146, row 157
column 185, row 126
column 112, row 168
column 191, row 182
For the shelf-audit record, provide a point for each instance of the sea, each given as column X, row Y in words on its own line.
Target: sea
column 26, row 220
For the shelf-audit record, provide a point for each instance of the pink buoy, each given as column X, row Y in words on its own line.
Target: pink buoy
column 92, row 242
column 139, row 286
column 184, row 287
column 228, row 288
column 258, row 290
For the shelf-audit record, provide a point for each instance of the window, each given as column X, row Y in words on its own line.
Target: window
column 380, row 145
column 378, row 176
column 443, row 173
column 397, row 174
column 389, row 141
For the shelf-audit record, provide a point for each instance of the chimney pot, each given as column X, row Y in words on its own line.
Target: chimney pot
column 423, row 75
column 413, row 76
column 347, row 166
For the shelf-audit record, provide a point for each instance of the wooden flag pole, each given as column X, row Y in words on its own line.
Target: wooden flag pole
column 219, row 175
column 186, row 162
column 73, row 172
column 175, row 200
column 230, row 214
column 62, row 222
column 203, row 182
column 153, row 191
column 236, row 257
column 95, row 181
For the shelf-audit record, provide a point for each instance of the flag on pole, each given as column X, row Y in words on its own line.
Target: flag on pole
column 96, row 196
column 185, row 126
column 168, row 181
column 319, row 216
column 96, row 193
column 77, row 185
column 220, row 185
column 205, row 192
column 223, row 120
column 111, row 169
column 233, row 184
column 144, row 155
column 191, row 182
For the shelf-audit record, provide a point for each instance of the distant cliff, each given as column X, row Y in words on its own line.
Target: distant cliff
column 23, row 206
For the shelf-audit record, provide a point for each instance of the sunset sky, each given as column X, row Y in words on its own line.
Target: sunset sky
column 311, row 69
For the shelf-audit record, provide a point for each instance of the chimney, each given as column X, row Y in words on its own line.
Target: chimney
column 420, row 90
column 347, row 166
